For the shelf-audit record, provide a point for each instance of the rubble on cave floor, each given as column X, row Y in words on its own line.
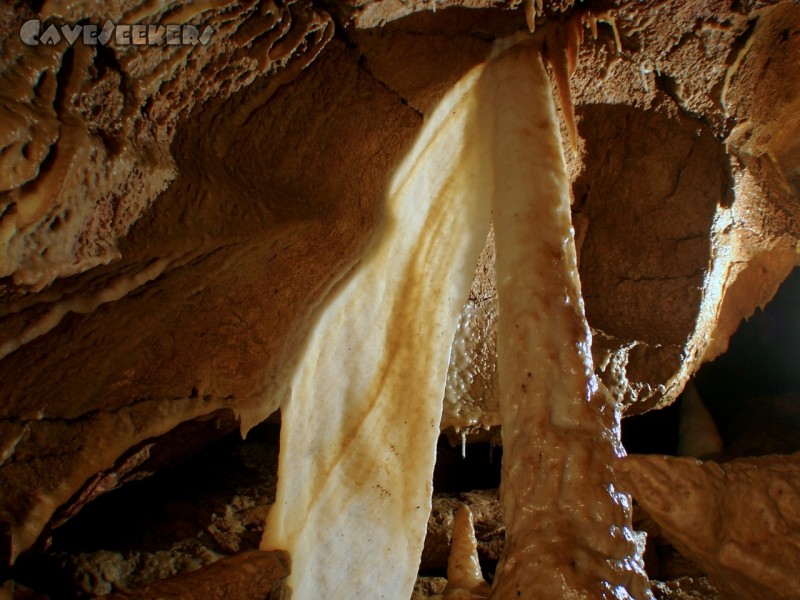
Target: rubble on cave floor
column 210, row 507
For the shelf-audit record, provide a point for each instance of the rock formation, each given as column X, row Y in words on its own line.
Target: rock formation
column 738, row 521
column 175, row 217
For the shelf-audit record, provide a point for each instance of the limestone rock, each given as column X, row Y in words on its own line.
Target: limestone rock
column 672, row 209
column 252, row 574
column 686, row 588
column 171, row 218
column 739, row 521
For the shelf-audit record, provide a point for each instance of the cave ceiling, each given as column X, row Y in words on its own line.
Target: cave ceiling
column 172, row 218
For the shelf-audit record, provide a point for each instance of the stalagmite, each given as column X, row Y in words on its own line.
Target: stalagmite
column 464, row 578
column 359, row 432
column 568, row 531
column 698, row 435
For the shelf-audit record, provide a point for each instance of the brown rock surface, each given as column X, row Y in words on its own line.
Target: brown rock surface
column 251, row 574
column 683, row 229
column 87, row 128
column 170, row 217
column 739, row 521
column 686, row 588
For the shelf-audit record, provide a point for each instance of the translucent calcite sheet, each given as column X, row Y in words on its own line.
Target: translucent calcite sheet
column 359, row 431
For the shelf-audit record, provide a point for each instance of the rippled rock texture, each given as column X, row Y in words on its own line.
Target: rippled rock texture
column 172, row 217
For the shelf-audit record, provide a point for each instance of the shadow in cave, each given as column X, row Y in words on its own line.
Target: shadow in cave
column 654, row 432
column 649, row 187
column 752, row 393
column 753, row 390
column 478, row 468
column 469, row 475
column 210, row 506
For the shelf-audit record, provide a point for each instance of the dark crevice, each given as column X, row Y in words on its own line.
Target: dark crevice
column 186, row 503
column 106, row 60
column 753, row 390
column 41, row 83
column 63, row 77
column 477, row 469
column 36, row 5
column 667, row 84
column 741, row 41
column 10, row 209
column 582, row 199
column 697, row 273
column 763, row 356
column 362, row 65
column 654, row 432
column 112, row 143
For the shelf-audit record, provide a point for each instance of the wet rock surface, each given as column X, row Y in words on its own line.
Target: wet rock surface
column 172, row 217
column 738, row 521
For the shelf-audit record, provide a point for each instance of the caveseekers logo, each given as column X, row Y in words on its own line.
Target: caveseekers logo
column 34, row 33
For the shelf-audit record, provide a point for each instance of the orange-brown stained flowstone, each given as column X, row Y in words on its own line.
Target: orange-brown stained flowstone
column 358, row 435
column 568, row 530
column 357, row 450
column 739, row 521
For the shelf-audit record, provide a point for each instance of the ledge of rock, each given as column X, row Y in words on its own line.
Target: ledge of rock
column 738, row 521
column 172, row 217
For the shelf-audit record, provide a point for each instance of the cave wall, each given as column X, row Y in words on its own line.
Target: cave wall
column 173, row 217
